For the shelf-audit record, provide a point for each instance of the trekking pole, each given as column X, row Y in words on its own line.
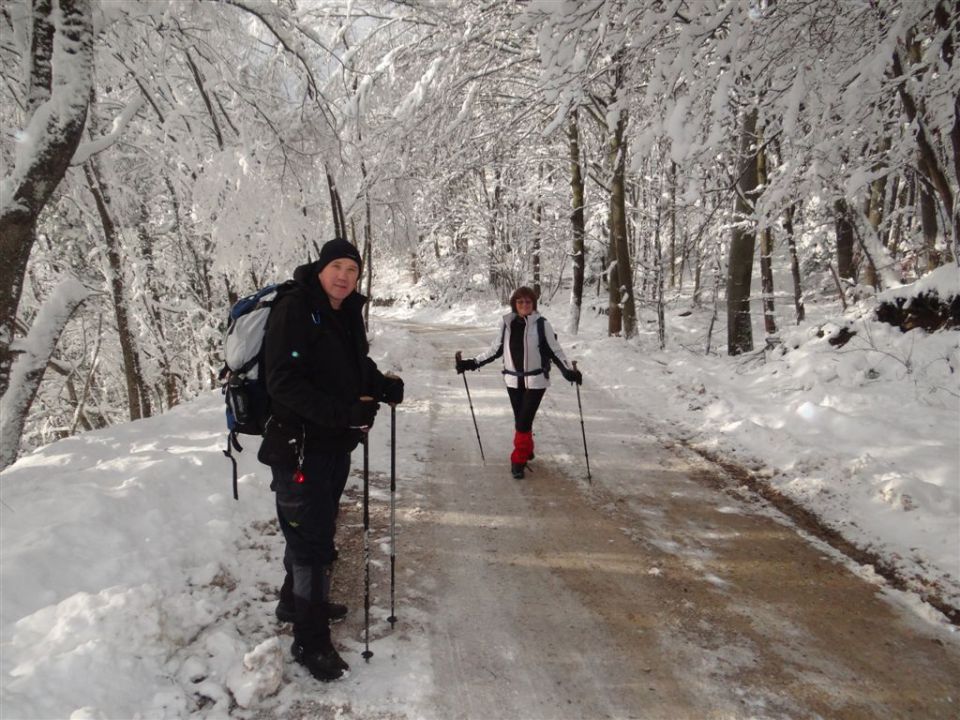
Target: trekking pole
column 367, row 654
column 583, row 430
column 393, row 510
column 470, row 400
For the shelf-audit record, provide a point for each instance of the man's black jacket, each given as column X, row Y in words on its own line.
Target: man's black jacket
column 316, row 365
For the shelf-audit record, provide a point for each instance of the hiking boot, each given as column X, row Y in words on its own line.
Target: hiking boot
column 325, row 664
column 336, row 612
column 286, row 613
column 517, row 470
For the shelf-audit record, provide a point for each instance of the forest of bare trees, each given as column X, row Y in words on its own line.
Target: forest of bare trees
column 162, row 158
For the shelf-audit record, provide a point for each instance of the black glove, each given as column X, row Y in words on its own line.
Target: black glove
column 392, row 390
column 361, row 414
column 574, row 376
column 468, row 364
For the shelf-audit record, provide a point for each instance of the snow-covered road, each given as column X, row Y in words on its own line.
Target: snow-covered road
column 652, row 592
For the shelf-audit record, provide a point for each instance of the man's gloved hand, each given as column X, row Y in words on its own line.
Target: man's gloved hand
column 468, row 364
column 574, row 376
column 361, row 414
column 392, row 390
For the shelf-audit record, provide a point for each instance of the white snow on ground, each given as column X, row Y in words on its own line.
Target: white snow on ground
column 132, row 582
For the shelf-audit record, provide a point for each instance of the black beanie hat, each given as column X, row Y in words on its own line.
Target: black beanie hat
column 336, row 249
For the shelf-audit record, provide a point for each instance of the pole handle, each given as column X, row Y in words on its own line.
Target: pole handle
column 574, row 363
column 365, row 428
column 459, row 355
column 391, row 376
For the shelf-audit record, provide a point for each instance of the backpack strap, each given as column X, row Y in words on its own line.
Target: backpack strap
column 546, row 352
column 232, row 443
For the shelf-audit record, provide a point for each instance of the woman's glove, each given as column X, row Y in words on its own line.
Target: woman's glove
column 574, row 376
column 361, row 414
column 468, row 364
column 392, row 390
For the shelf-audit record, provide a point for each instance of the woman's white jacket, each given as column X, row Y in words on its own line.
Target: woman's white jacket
column 531, row 351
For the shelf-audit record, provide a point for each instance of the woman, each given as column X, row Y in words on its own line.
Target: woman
column 528, row 344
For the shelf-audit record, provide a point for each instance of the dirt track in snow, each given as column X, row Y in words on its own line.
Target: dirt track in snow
column 678, row 598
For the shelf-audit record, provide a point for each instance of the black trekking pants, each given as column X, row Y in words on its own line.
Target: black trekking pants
column 525, row 403
column 307, row 511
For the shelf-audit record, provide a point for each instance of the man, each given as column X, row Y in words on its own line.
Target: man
column 324, row 393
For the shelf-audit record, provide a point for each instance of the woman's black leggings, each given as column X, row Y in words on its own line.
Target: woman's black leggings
column 525, row 403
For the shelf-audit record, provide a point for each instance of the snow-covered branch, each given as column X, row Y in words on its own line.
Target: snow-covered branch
column 33, row 354
column 87, row 149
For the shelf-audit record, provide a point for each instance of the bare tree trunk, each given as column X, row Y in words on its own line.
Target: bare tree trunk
column 415, row 263
column 494, row 211
column 698, row 269
column 878, row 194
column 742, row 244
column 618, row 215
column 336, row 208
column 618, row 242
column 766, row 259
column 79, row 413
column 153, row 303
column 537, row 220
column 673, row 224
column 67, row 36
column 614, row 311
column 697, row 250
column 137, row 396
column 367, row 247
column 717, row 275
column 844, row 230
column 578, row 224
column 794, row 263
column 878, row 259
column 909, row 206
column 897, row 196
column 684, row 257
column 659, row 272
column 766, row 281
column 928, row 224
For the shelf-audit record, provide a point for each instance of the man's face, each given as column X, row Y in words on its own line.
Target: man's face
column 338, row 279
